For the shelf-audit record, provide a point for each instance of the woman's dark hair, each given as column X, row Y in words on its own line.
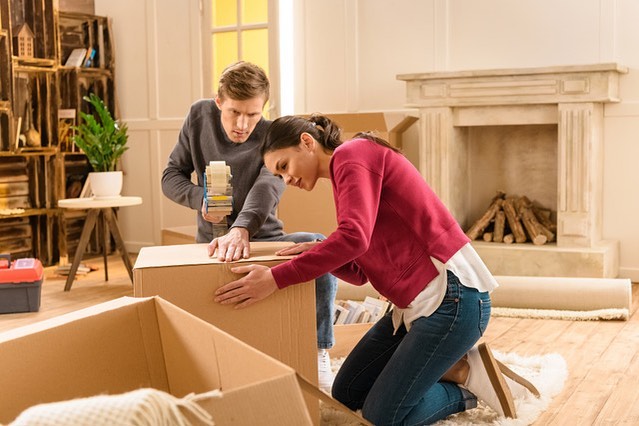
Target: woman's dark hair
column 285, row 132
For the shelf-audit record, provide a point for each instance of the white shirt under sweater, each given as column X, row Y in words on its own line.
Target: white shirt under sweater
column 466, row 265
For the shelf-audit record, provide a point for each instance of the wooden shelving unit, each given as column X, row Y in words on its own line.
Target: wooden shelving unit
column 39, row 164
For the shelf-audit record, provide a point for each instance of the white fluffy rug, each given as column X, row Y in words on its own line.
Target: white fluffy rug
column 547, row 372
column 595, row 315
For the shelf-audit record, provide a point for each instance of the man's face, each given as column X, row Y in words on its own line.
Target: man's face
column 239, row 118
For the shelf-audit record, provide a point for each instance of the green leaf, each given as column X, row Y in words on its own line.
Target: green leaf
column 102, row 139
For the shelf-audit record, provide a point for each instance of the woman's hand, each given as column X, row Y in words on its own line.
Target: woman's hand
column 297, row 248
column 257, row 285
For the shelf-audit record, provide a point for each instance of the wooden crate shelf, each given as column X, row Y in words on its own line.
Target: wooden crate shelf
column 35, row 85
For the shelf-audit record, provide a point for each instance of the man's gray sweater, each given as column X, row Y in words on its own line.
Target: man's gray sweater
column 256, row 192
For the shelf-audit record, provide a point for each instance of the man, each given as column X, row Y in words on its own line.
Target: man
column 230, row 129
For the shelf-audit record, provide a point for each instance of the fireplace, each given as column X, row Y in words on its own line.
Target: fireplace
column 536, row 132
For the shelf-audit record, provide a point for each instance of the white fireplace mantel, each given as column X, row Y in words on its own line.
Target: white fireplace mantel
column 570, row 97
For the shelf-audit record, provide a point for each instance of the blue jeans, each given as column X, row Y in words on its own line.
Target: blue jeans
column 325, row 290
column 394, row 377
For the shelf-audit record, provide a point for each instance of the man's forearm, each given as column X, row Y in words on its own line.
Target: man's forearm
column 181, row 190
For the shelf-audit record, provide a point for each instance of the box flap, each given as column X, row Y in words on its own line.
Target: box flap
column 384, row 123
column 395, row 135
column 191, row 346
column 196, row 254
column 359, row 122
column 70, row 317
column 404, row 124
column 274, row 402
column 86, row 354
column 308, row 387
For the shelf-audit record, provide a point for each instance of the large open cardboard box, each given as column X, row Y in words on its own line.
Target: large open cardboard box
column 282, row 326
column 131, row 343
column 303, row 211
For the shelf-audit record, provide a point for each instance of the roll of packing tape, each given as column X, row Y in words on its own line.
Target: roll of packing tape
column 561, row 293
column 218, row 175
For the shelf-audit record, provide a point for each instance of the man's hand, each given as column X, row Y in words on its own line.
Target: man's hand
column 257, row 285
column 211, row 218
column 232, row 246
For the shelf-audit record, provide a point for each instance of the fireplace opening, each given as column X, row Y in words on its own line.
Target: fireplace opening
column 517, row 160
column 514, row 220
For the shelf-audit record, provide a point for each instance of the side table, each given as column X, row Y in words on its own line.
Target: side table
column 95, row 207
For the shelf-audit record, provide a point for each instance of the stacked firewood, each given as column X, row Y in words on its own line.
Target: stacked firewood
column 514, row 220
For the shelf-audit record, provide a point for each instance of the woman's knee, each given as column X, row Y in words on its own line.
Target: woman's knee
column 340, row 393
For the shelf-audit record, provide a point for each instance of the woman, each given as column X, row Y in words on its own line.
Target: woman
column 419, row 363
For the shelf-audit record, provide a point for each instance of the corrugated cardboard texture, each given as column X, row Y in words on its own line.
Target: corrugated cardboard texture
column 309, row 211
column 130, row 343
column 196, row 254
column 282, row 326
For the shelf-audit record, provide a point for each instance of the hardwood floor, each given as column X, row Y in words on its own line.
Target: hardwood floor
column 602, row 356
column 603, row 364
column 87, row 290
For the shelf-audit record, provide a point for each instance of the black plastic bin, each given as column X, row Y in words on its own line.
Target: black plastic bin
column 20, row 284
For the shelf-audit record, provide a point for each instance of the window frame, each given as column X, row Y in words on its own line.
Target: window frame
column 272, row 26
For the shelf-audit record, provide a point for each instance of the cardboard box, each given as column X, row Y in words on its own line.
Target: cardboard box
column 346, row 337
column 303, row 211
column 130, row 343
column 282, row 326
column 179, row 235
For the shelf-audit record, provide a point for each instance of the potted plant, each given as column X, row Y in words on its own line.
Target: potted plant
column 103, row 140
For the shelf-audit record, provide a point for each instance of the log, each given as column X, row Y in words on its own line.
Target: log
column 547, row 232
column 532, row 226
column 543, row 218
column 513, row 220
column 478, row 227
column 509, row 238
column 488, row 236
column 500, row 224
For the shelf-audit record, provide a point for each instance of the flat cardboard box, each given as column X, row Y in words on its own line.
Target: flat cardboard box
column 282, row 325
column 303, row 211
column 131, row 343
column 346, row 337
column 179, row 235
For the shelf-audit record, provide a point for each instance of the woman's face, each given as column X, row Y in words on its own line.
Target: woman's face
column 297, row 165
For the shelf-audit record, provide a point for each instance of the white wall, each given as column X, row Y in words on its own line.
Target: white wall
column 355, row 62
column 158, row 59
column 347, row 55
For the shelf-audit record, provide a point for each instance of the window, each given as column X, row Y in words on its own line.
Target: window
column 242, row 30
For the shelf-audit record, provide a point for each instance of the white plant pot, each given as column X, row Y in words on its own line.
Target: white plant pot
column 106, row 184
